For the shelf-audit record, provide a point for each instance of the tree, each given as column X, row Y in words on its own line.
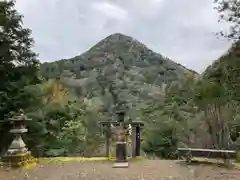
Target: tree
column 230, row 12
column 2, row 14
column 226, row 71
column 62, row 124
column 18, row 65
column 179, row 105
column 228, row 66
column 161, row 137
column 211, row 97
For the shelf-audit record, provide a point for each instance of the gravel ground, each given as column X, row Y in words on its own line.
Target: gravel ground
column 138, row 170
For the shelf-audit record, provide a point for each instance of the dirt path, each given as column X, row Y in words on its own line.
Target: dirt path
column 139, row 170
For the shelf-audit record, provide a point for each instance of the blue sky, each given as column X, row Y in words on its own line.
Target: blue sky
column 179, row 29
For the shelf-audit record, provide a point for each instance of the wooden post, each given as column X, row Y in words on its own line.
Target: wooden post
column 138, row 141
column 134, row 141
column 107, row 141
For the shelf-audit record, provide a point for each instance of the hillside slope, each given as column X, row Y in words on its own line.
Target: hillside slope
column 226, row 71
column 119, row 65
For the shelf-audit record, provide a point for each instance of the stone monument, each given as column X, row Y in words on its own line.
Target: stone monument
column 121, row 132
column 17, row 154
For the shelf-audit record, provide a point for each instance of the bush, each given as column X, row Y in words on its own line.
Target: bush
column 161, row 139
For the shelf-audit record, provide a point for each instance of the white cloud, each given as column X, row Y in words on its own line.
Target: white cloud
column 156, row 1
column 110, row 10
column 179, row 29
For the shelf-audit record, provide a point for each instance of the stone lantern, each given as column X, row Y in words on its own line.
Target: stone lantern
column 17, row 153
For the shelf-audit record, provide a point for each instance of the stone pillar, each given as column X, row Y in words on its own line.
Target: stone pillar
column 134, row 141
column 121, row 152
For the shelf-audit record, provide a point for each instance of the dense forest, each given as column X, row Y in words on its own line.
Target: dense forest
column 66, row 99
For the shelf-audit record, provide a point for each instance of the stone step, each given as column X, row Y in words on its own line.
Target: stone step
column 120, row 165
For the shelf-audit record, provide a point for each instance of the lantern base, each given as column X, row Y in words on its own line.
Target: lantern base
column 17, row 160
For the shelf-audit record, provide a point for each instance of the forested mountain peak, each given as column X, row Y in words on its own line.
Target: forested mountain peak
column 114, row 47
column 117, row 62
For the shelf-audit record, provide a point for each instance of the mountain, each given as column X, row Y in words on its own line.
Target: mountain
column 119, row 65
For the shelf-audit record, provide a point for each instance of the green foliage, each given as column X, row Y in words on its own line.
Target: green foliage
column 19, row 66
column 209, row 92
column 118, row 66
column 61, row 125
column 217, row 95
column 170, row 122
column 229, row 12
column 226, row 72
column 72, row 137
column 238, row 157
column 118, row 72
column 161, row 138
